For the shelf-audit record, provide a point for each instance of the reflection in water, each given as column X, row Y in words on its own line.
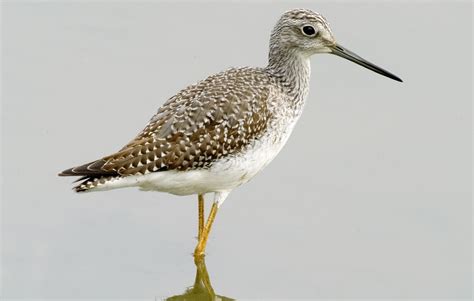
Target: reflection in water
column 202, row 288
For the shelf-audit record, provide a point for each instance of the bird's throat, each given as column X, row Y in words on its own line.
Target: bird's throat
column 293, row 70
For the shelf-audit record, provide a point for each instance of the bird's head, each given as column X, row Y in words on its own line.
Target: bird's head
column 306, row 32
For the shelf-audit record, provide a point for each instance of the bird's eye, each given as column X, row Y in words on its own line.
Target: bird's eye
column 309, row 31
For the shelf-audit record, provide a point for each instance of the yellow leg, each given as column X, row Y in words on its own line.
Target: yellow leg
column 201, row 246
column 201, row 215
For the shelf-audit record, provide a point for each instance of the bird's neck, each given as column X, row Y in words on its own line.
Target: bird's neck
column 292, row 69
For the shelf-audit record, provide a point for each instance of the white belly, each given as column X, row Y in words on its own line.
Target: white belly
column 224, row 175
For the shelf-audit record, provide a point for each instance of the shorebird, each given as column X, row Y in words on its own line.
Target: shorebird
column 219, row 133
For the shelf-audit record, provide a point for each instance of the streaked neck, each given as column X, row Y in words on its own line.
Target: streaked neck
column 293, row 70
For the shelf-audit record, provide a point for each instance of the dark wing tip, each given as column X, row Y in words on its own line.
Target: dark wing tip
column 67, row 172
column 94, row 168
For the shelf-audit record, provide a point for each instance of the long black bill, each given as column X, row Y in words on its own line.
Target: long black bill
column 351, row 56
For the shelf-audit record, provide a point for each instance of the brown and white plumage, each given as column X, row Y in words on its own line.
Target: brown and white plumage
column 202, row 123
column 218, row 133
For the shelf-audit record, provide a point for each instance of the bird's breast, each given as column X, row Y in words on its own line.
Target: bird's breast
column 240, row 167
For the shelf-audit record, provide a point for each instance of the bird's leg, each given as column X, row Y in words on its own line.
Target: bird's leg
column 201, row 246
column 219, row 198
column 201, row 215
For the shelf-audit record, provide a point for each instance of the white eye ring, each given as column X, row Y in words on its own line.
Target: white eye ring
column 309, row 30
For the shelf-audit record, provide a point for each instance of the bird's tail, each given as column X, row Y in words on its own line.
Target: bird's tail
column 91, row 175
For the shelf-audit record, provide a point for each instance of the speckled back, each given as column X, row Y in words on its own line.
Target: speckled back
column 203, row 122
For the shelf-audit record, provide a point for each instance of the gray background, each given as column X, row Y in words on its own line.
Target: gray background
column 371, row 197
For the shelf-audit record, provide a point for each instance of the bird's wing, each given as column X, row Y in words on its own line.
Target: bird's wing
column 202, row 123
